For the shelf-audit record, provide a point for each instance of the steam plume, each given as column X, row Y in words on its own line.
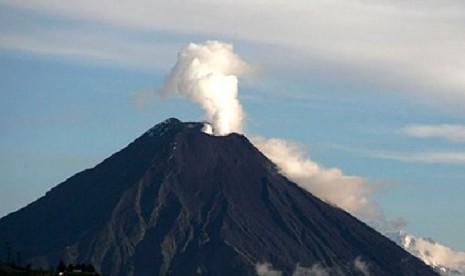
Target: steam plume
column 208, row 73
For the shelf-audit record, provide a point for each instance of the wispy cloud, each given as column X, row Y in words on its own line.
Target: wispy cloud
column 422, row 157
column 454, row 133
column 416, row 45
column 427, row 157
column 101, row 46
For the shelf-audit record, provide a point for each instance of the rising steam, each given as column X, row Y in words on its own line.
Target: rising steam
column 208, row 74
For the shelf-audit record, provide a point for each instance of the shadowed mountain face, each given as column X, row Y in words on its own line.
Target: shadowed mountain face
column 177, row 201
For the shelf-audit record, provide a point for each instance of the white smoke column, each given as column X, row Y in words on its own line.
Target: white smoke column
column 208, row 74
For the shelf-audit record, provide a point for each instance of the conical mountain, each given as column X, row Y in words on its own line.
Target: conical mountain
column 177, row 201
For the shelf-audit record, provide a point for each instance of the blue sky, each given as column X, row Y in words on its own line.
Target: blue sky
column 376, row 89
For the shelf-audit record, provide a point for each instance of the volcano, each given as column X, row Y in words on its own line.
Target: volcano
column 178, row 201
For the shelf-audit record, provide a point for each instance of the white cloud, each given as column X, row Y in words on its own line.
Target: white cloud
column 315, row 270
column 266, row 269
column 415, row 44
column 454, row 133
column 361, row 266
column 318, row 270
column 432, row 253
column 351, row 193
column 423, row 157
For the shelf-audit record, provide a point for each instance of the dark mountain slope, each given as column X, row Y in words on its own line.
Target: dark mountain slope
column 180, row 202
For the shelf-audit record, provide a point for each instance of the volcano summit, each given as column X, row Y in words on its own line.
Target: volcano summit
column 178, row 201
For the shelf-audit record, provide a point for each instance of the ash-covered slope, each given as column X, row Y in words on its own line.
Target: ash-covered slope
column 177, row 201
